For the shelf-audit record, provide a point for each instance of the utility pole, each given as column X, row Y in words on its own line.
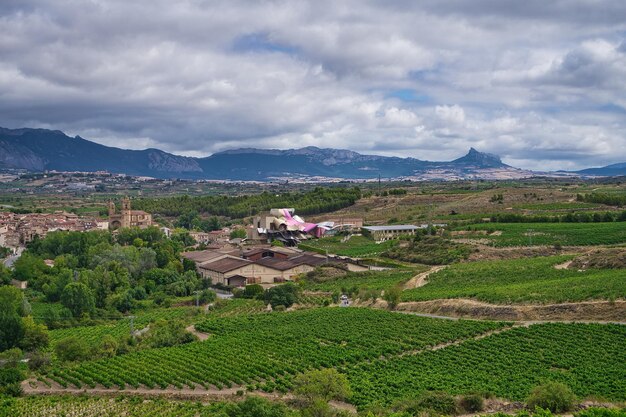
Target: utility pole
column 132, row 325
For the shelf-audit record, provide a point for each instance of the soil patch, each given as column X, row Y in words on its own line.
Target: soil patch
column 601, row 311
column 419, row 280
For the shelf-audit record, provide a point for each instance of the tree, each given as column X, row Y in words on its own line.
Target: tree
column 35, row 335
column 78, row 298
column 5, row 275
column 392, row 296
column 285, row 295
column 553, row 396
column 11, row 325
column 257, row 407
column 72, row 349
column 252, row 291
column 238, row 234
column 166, row 334
column 323, row 384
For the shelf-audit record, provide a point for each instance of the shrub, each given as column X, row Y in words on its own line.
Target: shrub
column 38, row 360
column 553, row 396
column 72, row 349
column 438, row 401
column 472, row 403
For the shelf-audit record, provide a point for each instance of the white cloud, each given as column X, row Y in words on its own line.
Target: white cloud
column 195, row 77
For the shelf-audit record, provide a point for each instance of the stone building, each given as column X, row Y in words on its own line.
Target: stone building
column 128, row 217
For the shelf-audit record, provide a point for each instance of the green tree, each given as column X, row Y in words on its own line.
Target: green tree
column 5, row 275
column 238, row 234
column 78, row 298
column 35, row 335
column 323, row 384
column 166, row 334
column 553, row 396
column 72, row 349
column 392, row 296
column 282, row 295
column 11, row 324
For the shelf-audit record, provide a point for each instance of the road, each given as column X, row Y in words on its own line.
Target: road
column 8, row 262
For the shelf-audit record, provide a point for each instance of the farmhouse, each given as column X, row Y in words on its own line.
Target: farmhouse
column 384, row 233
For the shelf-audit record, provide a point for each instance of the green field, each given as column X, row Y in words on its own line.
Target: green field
column 266, row 350
column 589, row 358
column 372, row 280
column 569, row 234
column 93, row 334
column 533, row 280
column 356, row 246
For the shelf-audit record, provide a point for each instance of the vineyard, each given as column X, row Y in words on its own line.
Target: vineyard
column 64, row 406
column 356, row 246
column 373, row 280
column 93, row 334
column 264, row 351
column 532, row 280
column 569, row 234
column 589, row 358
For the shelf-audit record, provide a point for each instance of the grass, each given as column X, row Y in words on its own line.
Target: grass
column 356, row 246
column 569, row 234
column 532, row 280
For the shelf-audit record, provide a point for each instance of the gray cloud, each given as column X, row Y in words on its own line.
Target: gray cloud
column 540, row 83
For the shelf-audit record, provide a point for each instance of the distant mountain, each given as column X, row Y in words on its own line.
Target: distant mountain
column 614, row 170
column 480, row 160
column 41, row 150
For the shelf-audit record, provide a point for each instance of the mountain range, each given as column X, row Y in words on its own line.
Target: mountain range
column 51, row 150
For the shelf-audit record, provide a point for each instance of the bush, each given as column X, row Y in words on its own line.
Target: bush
column 72, row 349
column 438, row 401
column 553, row 396
column 285, row 295
column 39, row 361
column 472, row 403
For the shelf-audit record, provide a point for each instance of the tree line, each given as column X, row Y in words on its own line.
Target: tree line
column 318, row 200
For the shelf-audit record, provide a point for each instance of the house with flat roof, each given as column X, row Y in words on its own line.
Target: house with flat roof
column 384, row 233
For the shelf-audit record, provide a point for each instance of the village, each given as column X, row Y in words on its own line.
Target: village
column 267, row 255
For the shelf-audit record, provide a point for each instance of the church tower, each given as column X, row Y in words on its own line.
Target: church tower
column 126, row 212
column 111, row 208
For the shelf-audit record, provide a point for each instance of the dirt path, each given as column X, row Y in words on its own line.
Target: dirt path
column 201, row 336
column 419, row 280
column 586, row 311
column 564, row 265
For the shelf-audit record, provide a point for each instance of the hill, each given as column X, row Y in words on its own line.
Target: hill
column 41, row 150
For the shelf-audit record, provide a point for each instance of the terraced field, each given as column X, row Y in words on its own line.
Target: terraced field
column 534, row 280
column 569, row 234
column 374, row 280
column 356, row 246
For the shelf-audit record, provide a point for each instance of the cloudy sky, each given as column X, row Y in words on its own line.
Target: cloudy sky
column 541, row 83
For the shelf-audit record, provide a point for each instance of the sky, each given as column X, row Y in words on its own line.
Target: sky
column 540, row 83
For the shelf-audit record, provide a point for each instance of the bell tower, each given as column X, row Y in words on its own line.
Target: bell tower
column 111, row 208
column 126, row 212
